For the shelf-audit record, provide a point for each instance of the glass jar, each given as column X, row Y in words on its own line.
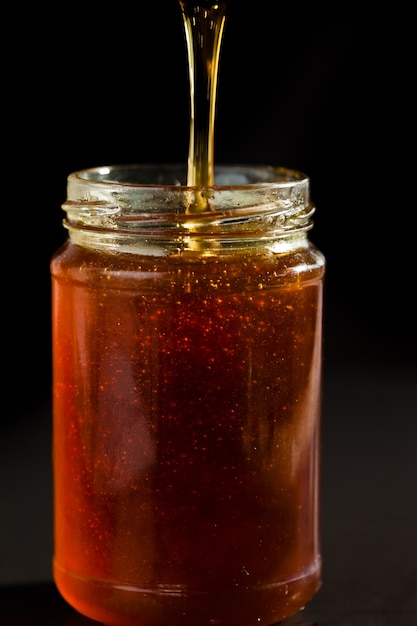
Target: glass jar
column 187, row 334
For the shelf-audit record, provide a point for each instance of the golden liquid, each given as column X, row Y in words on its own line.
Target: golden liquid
column 204, row 24
column 186, row 416
column 186, row 404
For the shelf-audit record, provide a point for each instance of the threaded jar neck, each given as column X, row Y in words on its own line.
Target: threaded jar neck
column 148, row 207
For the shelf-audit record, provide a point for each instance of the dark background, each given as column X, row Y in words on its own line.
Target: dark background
column 322, row 88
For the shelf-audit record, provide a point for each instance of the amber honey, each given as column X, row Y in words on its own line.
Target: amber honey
column 187, row 332
column 186, row 425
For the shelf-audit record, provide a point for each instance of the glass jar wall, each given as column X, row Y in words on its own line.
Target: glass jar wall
column 187, row 332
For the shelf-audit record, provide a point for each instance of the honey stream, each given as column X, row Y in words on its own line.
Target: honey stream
column 204, row 22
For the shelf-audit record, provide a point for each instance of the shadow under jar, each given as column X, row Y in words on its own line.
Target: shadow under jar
column 187, row 336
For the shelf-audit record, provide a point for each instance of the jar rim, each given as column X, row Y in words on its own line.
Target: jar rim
column 159, row 176
column 148, row 202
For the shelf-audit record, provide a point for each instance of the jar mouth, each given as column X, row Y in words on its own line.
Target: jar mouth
column 151, row 202
column 161, row 176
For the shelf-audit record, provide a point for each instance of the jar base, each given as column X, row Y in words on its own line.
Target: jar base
column 127, row 605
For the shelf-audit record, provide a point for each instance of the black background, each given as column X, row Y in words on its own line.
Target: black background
column 327, row 89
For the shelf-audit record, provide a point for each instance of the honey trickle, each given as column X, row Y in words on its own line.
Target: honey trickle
column 204, row 22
